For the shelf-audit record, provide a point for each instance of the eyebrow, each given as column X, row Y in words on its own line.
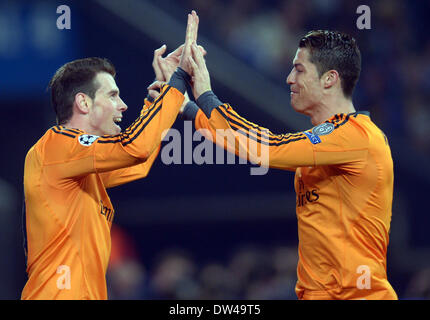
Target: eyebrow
column 113, row 91
column 298, row 64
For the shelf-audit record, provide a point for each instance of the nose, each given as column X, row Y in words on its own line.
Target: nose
column 122, row 106
column 290, row 78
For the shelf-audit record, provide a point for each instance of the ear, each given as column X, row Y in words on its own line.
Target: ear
column 331, row 78
column 82, row 103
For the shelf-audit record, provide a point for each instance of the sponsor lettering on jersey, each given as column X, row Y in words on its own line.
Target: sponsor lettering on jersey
column 106, row 211
column 305, row 196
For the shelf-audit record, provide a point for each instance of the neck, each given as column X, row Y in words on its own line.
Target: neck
column 329, row 107
column 81, row 124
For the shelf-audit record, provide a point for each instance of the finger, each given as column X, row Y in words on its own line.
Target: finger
column 196, row 17
column 192, row 32
column 158, row 53
column 197, row 54
column 153, row 94
column 155, row 85
column 192, row 64
column 202, row 50
column 189, row 31
column 193, row 53
column 161, row 50
column 162, row 65
column 196, row 25
column 158, row 73
column 177, row 53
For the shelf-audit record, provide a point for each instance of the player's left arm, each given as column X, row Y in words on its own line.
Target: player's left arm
column 163, row 69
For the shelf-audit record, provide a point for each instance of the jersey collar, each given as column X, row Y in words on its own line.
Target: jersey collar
column 340, row 116
column 366, row 113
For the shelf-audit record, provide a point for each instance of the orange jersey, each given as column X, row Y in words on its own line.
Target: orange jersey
column 68, row 211
column 344, row 186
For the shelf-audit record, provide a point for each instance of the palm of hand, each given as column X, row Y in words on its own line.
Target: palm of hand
column 169, row 65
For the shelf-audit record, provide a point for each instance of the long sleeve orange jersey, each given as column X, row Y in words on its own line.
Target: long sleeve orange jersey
column 344, row 185
column 68, row 211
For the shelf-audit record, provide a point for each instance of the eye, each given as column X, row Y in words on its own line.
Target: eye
column 298, row 68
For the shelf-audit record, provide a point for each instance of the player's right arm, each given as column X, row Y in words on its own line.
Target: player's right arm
column 338, row 141
column 224, row 126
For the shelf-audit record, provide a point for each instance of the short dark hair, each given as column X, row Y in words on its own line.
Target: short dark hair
column 74, row 77
column 334, row 50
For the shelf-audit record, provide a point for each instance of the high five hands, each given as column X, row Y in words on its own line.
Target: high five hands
column 189, row 56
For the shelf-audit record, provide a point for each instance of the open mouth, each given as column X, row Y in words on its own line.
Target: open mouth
column 117, row 121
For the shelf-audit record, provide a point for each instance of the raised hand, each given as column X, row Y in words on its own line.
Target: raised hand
column 163, row 68
column 201, row 81
column 169, row 64
column 190, row 37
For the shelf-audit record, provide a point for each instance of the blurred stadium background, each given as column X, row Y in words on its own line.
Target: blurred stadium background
column 215, row 231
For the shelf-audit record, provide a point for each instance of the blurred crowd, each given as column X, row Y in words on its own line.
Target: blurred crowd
column 249, row 273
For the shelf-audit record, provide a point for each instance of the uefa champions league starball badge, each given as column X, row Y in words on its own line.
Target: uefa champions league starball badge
column 87, row 139
column 323, row 129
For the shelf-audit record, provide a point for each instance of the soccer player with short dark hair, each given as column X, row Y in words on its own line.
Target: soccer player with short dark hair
column 66, row 174
column 343, row 167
